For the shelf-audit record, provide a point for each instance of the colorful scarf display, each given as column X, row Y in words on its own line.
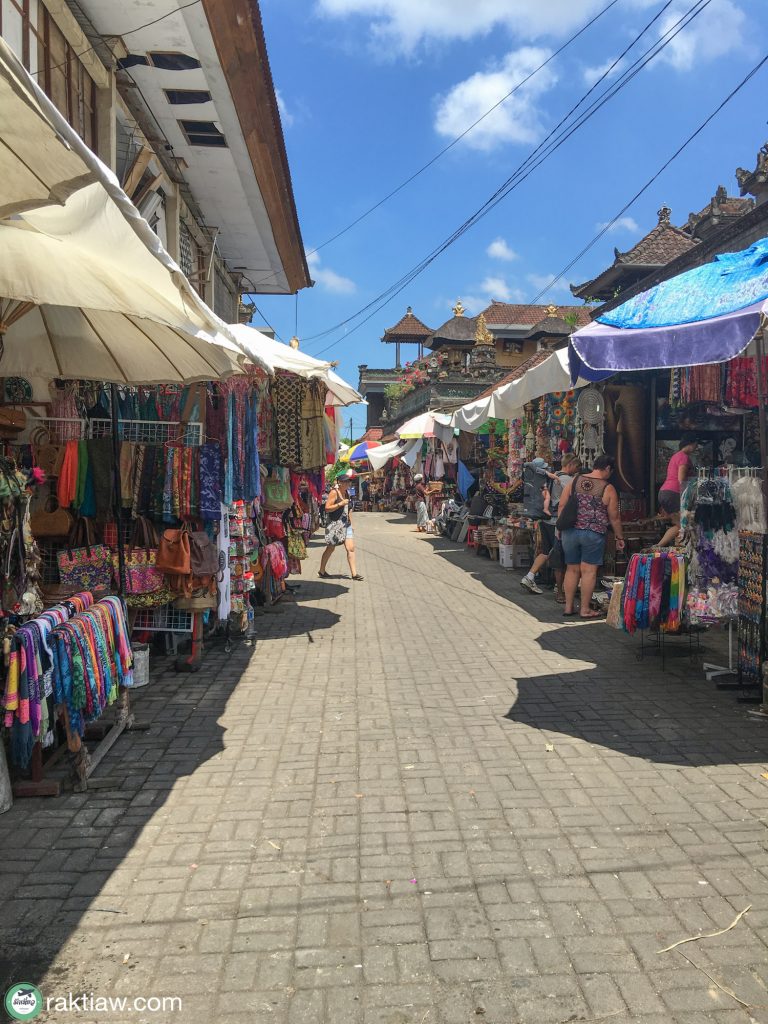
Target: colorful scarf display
column 654, row 592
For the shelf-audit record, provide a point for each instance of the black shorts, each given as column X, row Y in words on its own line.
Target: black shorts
column 549, row 544
column 669, row 501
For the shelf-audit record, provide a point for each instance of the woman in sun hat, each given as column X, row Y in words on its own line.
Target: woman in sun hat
column 338, row 524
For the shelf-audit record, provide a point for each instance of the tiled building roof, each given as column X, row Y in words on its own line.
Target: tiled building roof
column 408, row 327
column 506, row 313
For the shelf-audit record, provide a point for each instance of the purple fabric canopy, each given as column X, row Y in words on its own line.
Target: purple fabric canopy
column 599, row 350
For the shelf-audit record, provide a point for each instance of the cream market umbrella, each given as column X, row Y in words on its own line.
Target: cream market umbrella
column 37, row 166
column 428, row 424
column 86, row 288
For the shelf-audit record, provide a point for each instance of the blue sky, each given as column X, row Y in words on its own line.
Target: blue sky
column 372, row 89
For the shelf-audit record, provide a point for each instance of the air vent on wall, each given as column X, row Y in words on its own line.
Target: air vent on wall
column 182, row 96
column 202, row 133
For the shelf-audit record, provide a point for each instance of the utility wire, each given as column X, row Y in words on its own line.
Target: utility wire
column 653, row 178
column 454, row 142
column 545, row 149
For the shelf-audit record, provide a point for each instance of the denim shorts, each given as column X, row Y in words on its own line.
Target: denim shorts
column 583, row 546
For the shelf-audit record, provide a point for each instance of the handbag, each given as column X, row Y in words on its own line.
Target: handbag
column 88, row 567
column 173, row 552
column 569, row 513
column 203, row 555
column 296, row 545
column 277, row 494
column 273, row 525
column 336, row 532
column 140, row 557
column 51, row 521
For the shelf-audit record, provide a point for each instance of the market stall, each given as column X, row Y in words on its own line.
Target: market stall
column 699, row 337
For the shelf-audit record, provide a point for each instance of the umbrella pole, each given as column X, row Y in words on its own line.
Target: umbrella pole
column 117, row 492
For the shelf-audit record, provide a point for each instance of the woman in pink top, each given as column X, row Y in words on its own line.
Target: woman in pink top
column 679, row 469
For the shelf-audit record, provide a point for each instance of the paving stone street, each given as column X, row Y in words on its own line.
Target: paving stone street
column 425, row 798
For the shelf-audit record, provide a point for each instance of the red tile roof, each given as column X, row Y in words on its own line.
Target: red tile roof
column 663, row 243
column 408, row 326
column 504, row 313
column 372, row 434
column 516, row 374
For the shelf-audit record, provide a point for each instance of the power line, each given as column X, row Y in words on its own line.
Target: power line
column 542, row 152
column 653, row 178
column 454, row 142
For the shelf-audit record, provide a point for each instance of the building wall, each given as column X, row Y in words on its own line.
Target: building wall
column 507, row 354
column 50, row 43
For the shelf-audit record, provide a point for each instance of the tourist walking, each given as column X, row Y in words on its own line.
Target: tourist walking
column 550, row 548
column 420, row 494
column 680, row 468
column 596, row 506
column 338, row 525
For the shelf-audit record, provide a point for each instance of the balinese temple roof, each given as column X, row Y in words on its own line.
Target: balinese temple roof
column 754, row 182
column 458, row 331
column 510, row 314
column 553, row 325
column 408, row 328
column 721, row 209
column 662, row 244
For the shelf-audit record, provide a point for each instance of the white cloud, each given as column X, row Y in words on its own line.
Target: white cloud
column 515, row 120
column 408, row 23
column 499, row 250
column 497, row 288
column 718, row 30
column 285, row 115
column 329, row 279
column 541, row 282
column 594, row 74
column 622, row 224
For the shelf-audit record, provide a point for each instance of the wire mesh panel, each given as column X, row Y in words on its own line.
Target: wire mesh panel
column 59, row 428
column 50, row 565
column 150, row 431
column 165, row 619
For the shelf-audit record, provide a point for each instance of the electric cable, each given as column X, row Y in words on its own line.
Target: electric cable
column 455, row 141
column 652, row 179
column 534, row 159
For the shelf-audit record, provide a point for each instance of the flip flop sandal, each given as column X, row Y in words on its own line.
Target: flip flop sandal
column 568, row 615
column 324, row 575
column 358, row 577
column 593, row 615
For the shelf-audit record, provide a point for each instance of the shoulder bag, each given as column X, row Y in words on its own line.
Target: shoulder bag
column 570, row 511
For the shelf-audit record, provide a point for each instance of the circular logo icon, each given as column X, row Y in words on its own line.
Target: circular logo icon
column 23, row 1001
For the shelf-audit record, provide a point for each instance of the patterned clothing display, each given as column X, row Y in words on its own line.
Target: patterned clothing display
column 312, row 426
column 654, row 592
column 288, row 395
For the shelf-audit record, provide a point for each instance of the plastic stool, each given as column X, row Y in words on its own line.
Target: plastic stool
column 472, row 536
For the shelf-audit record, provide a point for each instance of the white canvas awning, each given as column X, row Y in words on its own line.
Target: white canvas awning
column 509, row 401
column 283, row 357
column 86, row 287
column 407, row 450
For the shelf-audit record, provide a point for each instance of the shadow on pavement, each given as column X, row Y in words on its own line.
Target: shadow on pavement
column 58, row 855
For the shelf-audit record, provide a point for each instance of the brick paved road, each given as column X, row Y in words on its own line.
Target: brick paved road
column 422, row 799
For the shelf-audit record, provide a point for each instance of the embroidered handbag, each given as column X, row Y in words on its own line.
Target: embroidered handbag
column 88, row 567
column 277, row 494
column 296, row 547
column 141, row 573
column 336, row 532
column 51, row 520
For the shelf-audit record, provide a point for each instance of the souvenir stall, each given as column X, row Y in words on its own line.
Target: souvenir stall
column 700, row 339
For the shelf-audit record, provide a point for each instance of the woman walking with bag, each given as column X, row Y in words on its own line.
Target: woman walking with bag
column 587, row 506
column 338, row 525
